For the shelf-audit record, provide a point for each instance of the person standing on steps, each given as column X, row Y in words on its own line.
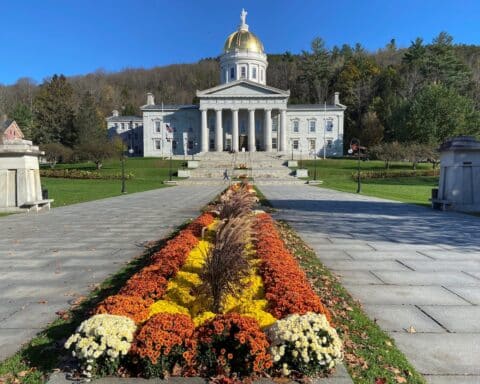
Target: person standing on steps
column 225, row 175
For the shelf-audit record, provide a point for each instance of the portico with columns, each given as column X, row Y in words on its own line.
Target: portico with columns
column 238, row 116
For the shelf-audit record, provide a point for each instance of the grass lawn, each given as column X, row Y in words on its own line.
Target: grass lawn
column 148, row 173
column 337, row 174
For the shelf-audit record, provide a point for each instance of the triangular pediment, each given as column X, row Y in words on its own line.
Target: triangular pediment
column 242, row 88
column 11, row 131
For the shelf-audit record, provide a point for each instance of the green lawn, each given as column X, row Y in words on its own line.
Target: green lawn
column 337, row 174
column 148, row 173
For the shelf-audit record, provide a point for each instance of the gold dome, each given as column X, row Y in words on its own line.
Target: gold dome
column 243, row 40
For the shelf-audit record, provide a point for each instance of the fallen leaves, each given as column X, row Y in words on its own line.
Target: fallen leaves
column 411, row 329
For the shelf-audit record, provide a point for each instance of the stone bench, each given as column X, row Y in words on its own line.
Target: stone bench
column 37, row 205
column 440, row 204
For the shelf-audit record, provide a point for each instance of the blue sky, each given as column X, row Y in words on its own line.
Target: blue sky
column 40, row 38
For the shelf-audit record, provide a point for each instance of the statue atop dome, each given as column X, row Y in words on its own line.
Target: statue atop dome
column 243, row 17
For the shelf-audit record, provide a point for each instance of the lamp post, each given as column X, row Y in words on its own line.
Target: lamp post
column 355, row 146
column 171, row 156
column 124, row 188
column 315, row 165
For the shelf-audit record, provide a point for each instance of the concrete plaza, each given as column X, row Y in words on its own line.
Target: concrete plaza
column 49, row 260
column 416, row 271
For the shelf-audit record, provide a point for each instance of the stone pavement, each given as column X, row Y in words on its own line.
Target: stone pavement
column 48, row 260
column 416, row 271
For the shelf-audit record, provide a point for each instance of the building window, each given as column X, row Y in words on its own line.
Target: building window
column 212, row 123
column 329, row 125
column 232, row 73
column 295, row 144
column 243, row 72
column 312, row 145
column 275, row 124
column 212, row 144
column 158, row 126
column 157, row 144
column 190, row 144
column 174, row 145
column 254, row 73
column 312, row 125
column 261, row 75
column 274, row 143
column 329, row 144
column 243, row 128
column 296, row 126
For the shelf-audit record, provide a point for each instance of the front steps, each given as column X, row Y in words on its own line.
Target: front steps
column 262, row 167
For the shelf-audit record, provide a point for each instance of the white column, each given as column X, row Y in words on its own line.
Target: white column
column 268, row 130
column 204, row 131
column 219, row 131
column 235, row 130
column 251, row 130
column 283, row 130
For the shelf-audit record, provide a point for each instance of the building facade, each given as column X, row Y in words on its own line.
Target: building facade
column 243, row 113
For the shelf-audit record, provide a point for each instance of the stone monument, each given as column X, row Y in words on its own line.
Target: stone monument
column 459, row 184
column 20, row 187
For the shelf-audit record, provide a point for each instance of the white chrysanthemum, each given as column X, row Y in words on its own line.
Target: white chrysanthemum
column 306, row 343
column 106, row 336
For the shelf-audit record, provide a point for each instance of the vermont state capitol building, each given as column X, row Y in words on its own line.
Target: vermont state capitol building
column 243, row 113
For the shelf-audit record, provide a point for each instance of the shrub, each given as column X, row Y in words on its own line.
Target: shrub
column 164, row 342
column 82, row 174
column 304, row 343
column 232, row 345
column 100, row 342
column 147, row 283
column 133, row 307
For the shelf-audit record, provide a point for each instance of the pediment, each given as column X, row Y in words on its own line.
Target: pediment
column 242, row 89
column 11, row 131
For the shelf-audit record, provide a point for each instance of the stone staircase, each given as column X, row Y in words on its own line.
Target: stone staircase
column 262, row 167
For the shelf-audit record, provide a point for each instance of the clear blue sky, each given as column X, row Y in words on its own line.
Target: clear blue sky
column 40, row 38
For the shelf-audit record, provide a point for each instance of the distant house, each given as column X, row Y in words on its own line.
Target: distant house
column 130, row 129
column 9, row 130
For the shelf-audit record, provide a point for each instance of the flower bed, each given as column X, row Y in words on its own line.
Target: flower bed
column 269, row 320
column 82, row 174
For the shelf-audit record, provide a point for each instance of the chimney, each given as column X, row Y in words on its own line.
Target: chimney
column 336, row 98
column 150, row 99
column 115, row 113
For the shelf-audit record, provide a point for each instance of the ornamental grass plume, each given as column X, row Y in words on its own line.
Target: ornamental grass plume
column 236, row 203
column 226, row 262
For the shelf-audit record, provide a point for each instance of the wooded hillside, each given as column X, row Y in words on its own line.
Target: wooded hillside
column 423, row 93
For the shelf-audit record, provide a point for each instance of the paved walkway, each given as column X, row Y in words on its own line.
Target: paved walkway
column 48, row 260
column 408, row 265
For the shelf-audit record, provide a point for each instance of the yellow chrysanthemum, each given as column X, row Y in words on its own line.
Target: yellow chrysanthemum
column 164, row 306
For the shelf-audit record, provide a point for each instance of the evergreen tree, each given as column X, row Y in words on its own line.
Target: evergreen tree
column 23, row 115
column 315, row 70
column 89, row 122
column 54, row 113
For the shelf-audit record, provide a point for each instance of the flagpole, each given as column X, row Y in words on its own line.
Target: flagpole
column 163, row 123
column 324, row 129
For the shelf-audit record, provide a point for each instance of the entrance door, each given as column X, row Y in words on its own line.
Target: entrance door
column 243, row 142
